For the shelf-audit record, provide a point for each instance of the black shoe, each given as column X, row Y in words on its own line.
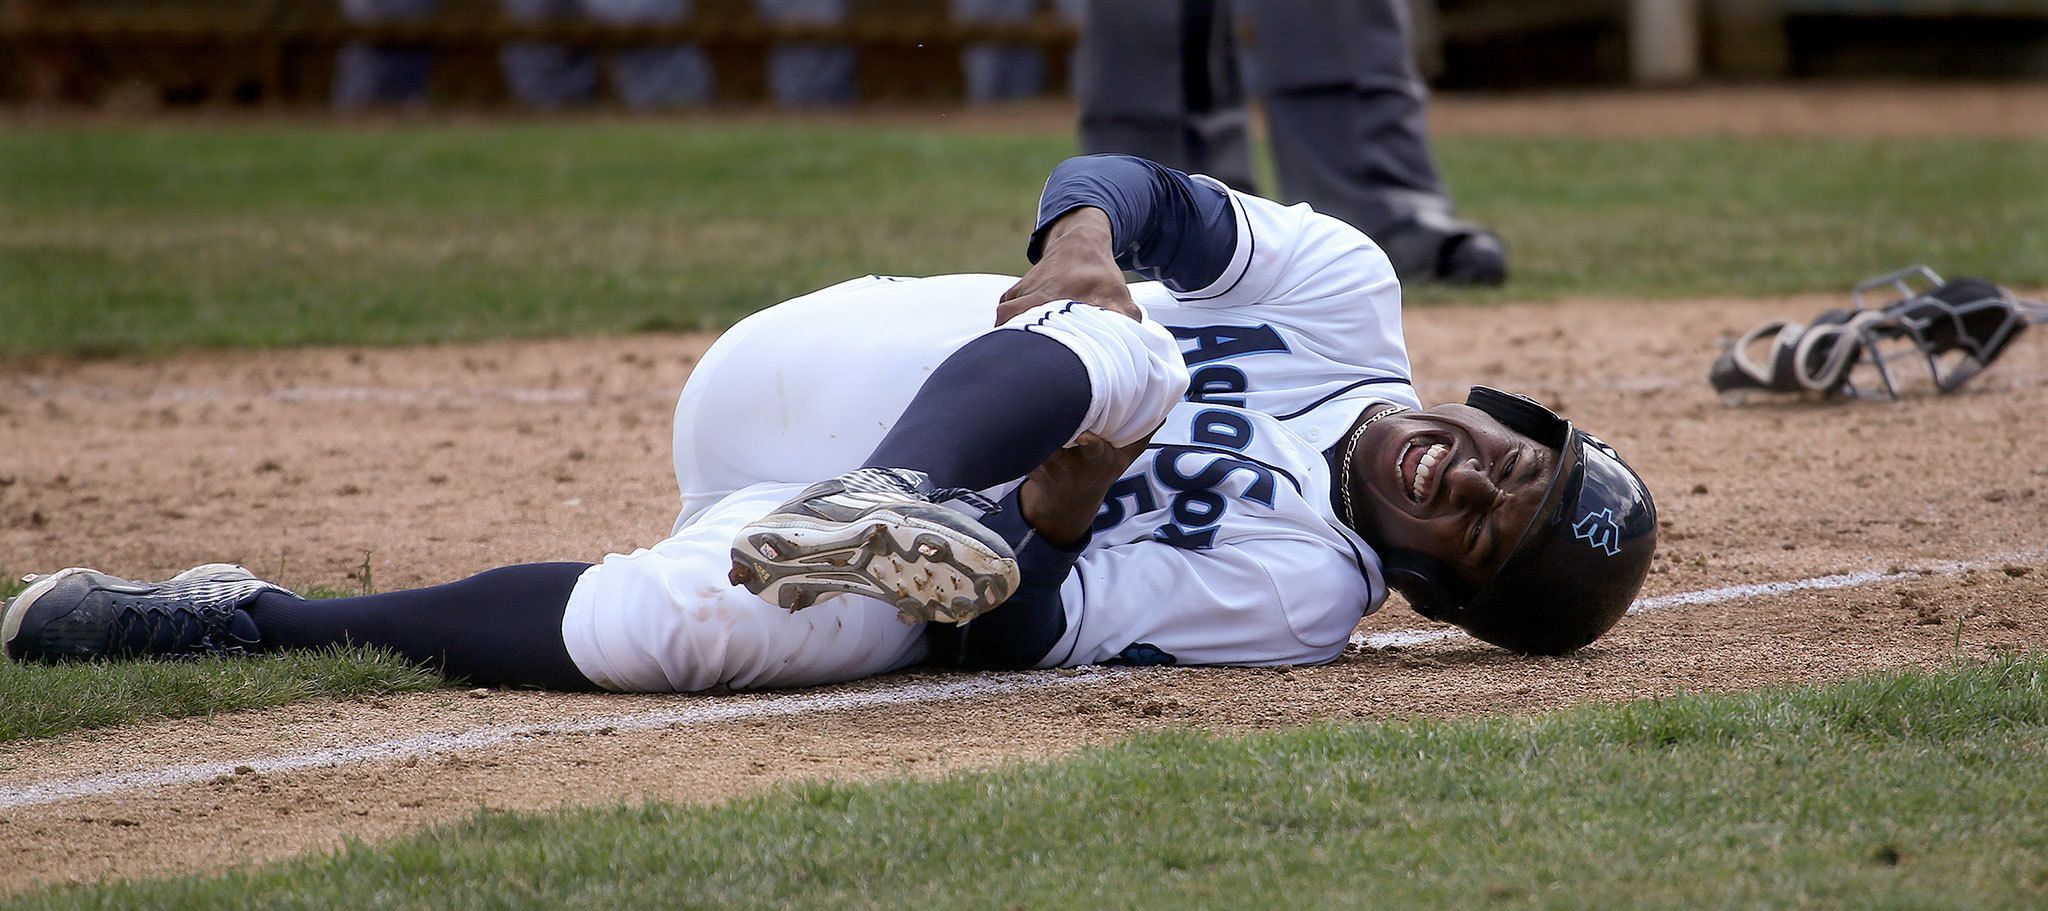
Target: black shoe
column 80, row 614
column 877, row 532
column 1432, row 248
column 1477, row 257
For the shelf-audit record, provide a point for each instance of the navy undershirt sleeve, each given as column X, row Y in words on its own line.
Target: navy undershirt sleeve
column 1165, row 226
column 1019, row 632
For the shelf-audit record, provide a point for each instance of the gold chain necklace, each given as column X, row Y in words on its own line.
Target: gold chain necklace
column 1344, row 462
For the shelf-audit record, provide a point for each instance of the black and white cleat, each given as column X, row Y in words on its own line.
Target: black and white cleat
column 82, row 614
column 879, row 532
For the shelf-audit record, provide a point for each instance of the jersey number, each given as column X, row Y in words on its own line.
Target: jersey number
column 1197, row 509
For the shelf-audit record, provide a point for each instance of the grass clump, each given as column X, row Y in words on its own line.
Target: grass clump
column 45, row 700
column 1903, row 790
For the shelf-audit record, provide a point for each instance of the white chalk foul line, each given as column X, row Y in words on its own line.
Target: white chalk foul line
column 704, row 711
column 699, row 712
column 1401, row 638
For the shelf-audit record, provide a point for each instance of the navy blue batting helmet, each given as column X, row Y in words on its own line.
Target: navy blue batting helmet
column 1577, row 566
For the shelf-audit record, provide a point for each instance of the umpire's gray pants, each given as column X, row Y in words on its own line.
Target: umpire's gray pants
column 1344, row 102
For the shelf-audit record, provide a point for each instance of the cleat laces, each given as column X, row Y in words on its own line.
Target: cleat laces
column 907, row 482
column 190, row 618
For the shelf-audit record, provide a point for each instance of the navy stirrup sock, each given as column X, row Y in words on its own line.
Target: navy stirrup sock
column 993, row 411
column 498, row 628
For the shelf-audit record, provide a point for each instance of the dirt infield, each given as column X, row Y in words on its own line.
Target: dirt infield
column 441, row 462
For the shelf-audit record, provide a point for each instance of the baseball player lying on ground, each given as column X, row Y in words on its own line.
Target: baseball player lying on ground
column 1225, row 465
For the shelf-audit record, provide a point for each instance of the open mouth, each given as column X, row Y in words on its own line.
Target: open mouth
column 1418, row 467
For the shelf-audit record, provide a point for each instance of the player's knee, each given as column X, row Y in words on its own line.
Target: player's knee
column 1134, row 368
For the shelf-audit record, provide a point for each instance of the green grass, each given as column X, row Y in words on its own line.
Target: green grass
column 44, row 701
column 1892, row 791
column 143, row 239
column 152, row 238
column 1698, row 216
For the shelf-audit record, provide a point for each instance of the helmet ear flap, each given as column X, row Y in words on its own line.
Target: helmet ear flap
column 1431, row 586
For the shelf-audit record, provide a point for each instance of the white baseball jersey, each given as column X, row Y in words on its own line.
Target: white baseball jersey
column 1218, row 547
column 1304, row 324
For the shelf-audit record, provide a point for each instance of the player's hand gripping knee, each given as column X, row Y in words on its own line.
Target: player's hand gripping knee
column 1060, row 498
column 1076, row 264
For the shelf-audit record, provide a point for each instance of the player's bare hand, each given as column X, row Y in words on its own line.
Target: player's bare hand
column 1076, row 264
column 1060, row 498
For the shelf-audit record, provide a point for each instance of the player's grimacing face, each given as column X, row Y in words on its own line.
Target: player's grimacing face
column 1451, row 483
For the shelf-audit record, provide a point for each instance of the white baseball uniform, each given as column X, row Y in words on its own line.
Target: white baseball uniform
column 1219, row 546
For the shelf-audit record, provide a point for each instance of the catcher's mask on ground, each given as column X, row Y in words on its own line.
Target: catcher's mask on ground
column 1956, row 328
column 1576, row 526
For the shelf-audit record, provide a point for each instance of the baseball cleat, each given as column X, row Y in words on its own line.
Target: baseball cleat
column 80, row 614
column 878, row 532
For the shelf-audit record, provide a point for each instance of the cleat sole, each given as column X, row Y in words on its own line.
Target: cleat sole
column 932, row 568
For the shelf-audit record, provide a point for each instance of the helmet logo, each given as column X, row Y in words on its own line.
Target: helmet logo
column 1599, row 530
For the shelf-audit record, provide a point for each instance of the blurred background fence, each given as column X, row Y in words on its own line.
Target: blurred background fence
column 664, row 53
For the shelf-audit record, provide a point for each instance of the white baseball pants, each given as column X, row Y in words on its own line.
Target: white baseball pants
column 794, row 394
